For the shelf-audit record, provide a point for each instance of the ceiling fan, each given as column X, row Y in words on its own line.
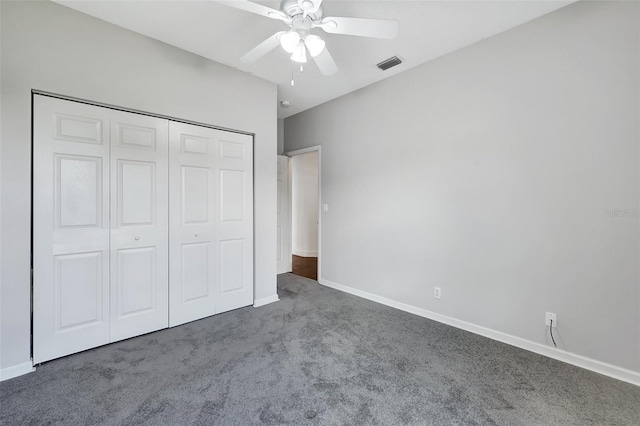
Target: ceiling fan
column 302, row 16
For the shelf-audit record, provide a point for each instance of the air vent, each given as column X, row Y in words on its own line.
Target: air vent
column 391, row 62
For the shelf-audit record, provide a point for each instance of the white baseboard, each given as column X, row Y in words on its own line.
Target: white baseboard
column 265, row 301
column 619, row 373
column 302, row 253
column 16, row 370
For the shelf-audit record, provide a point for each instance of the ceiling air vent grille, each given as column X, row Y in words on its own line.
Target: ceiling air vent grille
column 391, row 62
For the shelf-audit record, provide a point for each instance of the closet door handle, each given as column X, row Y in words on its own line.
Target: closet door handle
column 136, row 238
column 195, row 235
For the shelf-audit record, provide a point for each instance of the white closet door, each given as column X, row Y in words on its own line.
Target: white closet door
column 192, row 241
column 71, row 228
column 234, row 217
column 139, row 224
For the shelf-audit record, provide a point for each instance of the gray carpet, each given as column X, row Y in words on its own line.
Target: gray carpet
column 317, row 357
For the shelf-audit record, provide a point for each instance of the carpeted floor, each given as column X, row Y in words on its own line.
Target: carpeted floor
column 316, row 357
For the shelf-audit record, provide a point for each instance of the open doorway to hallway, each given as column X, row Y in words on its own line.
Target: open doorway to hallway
column 304, row 213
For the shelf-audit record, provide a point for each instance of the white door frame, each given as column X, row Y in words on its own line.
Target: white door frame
column 315, row 148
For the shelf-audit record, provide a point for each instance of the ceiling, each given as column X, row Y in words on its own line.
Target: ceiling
column 428, row 29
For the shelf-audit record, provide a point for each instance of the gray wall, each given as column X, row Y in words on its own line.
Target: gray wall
column 488, row 173
column 49, row 47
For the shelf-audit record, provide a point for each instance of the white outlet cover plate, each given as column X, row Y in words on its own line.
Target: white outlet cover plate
column 550, row 316
column 437, row 293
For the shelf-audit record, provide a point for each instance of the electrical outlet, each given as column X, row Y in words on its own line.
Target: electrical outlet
column 436, row 292
column 551, row 316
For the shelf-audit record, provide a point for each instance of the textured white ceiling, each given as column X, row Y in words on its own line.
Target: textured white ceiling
column 428, row 29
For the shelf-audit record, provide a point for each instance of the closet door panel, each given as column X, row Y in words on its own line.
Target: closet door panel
column 78, row 277
column 71, row 228
column 135, row 281
column 234, row 238
column 136, row 193
column 195, row 271
column 192, row 212
column 232, row 265
column 195, row 197
column 139, row 224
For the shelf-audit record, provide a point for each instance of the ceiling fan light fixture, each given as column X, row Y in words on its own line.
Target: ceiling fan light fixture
column 299, row 53
column 303, row 16
column 289, row 41
column 315, row 45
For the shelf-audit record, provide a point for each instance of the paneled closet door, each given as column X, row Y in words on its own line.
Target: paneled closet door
column 192, row 241
column 139, row 224
column 70, row 228
column 234, row 220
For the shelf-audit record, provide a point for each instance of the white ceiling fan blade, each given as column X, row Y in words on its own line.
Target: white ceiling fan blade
column 325, row 63
column 365, row 27
column 262, row 49
column 256, row 8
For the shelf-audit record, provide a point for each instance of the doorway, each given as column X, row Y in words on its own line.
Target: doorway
column 305, row 212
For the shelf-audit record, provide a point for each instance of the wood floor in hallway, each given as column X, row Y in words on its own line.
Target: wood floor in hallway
column 305, row 267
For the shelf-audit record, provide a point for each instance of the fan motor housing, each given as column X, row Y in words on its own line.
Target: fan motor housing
column 301, row 25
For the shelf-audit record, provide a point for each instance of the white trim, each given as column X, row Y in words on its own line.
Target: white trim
column 16, row 370
column 302, row 253
column 303, row 151
column 619, row 373
column 135, row 111
column 265, row 301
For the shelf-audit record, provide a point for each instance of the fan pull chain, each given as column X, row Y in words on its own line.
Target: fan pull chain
column 292, row 82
